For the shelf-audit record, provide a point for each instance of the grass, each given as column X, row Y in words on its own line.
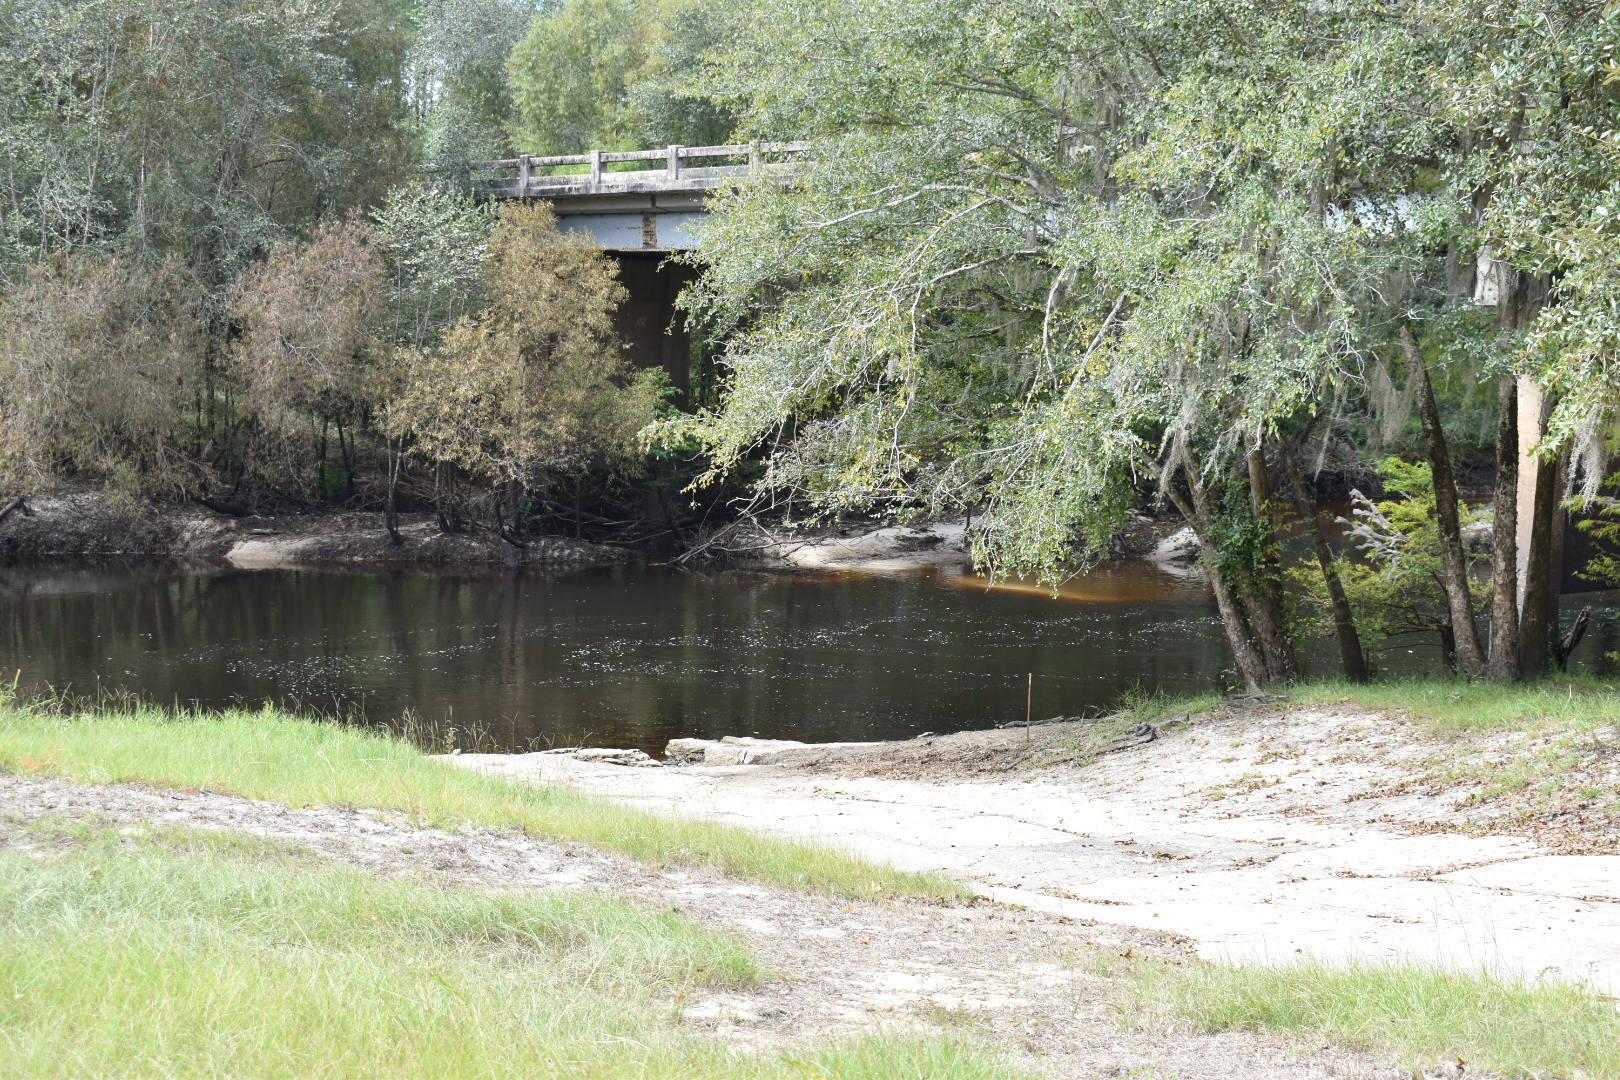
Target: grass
column 161, row 953
column 1420, row 1016
column 1449, row 708
column 1137, row 706
column 1554, row 742
column 273, row 756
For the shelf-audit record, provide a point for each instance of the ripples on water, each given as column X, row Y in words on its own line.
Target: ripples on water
column 626, row 657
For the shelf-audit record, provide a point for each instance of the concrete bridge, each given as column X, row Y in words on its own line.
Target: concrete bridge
column 641, row 206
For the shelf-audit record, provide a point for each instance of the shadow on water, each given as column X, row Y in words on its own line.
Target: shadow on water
column 628, row 657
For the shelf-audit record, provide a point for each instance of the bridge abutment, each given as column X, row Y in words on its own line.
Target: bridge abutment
column 648, row 322
column 640, row 206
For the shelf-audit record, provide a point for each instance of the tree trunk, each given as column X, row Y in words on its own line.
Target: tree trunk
column 346, row 452
column 1448, row 649
column 1251, row 665
column 516, row 493
column 320, row 468
column 395, row 451
column 1505, row 644
column 1265, row 601
column 1566, row 644
column 1536, row 625
column 1459, row 600
column 1351, row 657
column 16, row 505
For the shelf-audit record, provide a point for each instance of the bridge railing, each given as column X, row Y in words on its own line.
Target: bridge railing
column 600, row 171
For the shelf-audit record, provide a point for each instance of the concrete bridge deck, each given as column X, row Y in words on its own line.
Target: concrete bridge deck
column 641, row 206
column 631, row 200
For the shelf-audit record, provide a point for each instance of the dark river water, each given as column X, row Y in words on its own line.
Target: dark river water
column 631, row 657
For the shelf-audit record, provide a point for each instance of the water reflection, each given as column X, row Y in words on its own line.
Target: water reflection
column 629, row 657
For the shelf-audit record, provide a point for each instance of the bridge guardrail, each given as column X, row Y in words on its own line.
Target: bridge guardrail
column 524, row 176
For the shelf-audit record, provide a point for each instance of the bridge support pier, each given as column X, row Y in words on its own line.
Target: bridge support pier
column 648, row 321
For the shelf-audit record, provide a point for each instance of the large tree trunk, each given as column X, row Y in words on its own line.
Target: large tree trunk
column 1540, row 533
column 1537, row 624
column 1351, row 657
column 1195, row 509
column 1459, row 599
column 1251, row 665
column 1264, row 592
column 1505, row 644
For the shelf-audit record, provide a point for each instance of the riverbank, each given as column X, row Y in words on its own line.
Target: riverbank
column 768, row 956
column 946, row 546
column 1470, row 827
column 88, row 524
column 134, row 859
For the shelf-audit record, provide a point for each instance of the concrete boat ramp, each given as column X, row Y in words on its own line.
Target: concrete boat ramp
column 1261, row 839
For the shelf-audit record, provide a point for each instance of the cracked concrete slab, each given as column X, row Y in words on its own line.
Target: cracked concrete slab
column 1260, row 842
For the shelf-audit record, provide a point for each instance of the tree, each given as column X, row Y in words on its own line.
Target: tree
column 100, row 363
column 1525, row 96
column 1046, row 255
column 306, row 354
column 436, row 243
column 204, row 128
column 1042, row 258
column 536, row 382
column 458, row 86
column 609, row 74
column 1398, row 587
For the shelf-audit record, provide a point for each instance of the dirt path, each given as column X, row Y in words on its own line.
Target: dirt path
column 1010, row 974
column 1261, row 837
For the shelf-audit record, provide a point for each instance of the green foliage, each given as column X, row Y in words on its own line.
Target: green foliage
column 608, row 74
column 1045, row 258
column 1600, row 519
column 211, row 145
column 1035, row 261
column 201, row 127
column 457, row 62
column 1395, row 586
column 436, row 243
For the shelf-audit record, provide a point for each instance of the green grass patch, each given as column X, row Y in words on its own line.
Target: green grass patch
column 1555, row 731
column 1449, row 708
column 161, row 953
column 273, row 756
column 1547, row 740
column 1140, row 707
column 1420, row 1016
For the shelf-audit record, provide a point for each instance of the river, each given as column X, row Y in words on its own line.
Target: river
column 628, row 657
